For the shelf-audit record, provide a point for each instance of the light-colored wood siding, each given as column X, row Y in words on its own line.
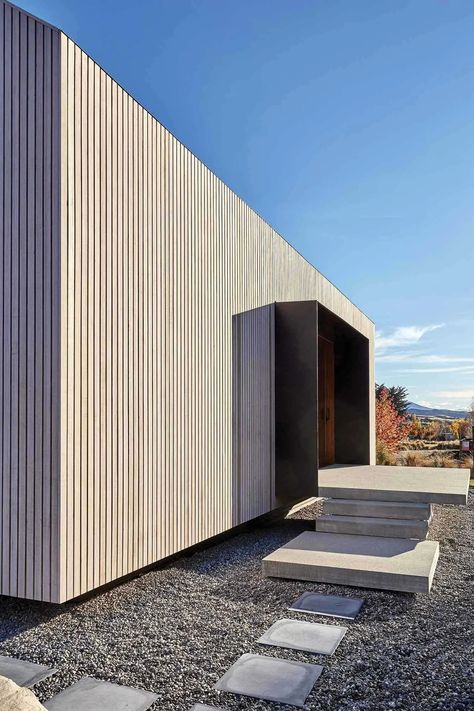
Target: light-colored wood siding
column 253, row 416
column 159, row 256
column 137, row 316
column 29, row 302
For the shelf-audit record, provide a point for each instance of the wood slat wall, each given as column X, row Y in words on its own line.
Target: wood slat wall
column 29, row 303
column 158, row 256
column 253, row 420
column 134, row 281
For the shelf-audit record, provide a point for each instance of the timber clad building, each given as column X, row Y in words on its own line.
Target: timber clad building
column 170, row 367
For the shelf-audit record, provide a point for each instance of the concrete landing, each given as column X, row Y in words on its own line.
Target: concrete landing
column 367, row 526
column 362, row 561
column 428, row 485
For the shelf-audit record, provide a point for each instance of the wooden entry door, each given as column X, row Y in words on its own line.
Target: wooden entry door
column 327, row 451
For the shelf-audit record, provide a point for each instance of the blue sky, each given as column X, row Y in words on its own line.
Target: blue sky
column 348, row 125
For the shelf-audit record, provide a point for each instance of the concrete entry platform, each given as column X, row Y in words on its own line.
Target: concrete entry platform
column 428, row 485
column 363, row 561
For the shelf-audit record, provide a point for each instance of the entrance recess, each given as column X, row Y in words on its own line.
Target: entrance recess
column 327, row 441
column 322, row 396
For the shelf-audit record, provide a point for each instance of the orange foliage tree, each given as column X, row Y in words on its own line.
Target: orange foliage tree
column 391, row 428
column 415, row 427
column 461, row 428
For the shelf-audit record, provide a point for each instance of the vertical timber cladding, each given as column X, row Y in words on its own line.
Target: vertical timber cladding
column 124, row 262
column 253, row 417
column 29, row 303
column 158, row 256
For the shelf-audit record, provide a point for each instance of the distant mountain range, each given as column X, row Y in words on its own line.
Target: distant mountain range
column 422, row 411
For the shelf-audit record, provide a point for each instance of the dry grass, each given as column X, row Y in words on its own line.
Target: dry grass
column 426, row 444
column 447, row 460
column 435, row 459
column 444, row 460
column 385, row 457
column 412, row 459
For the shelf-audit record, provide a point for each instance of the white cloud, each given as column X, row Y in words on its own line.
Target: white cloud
column 425, row 403
column 456, row 394
column 402, row 336
column 456, row 369
column 427, row 359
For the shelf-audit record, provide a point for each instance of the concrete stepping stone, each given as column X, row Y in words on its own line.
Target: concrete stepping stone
column 23, row 673
column 314, row 603
column 270, row 679
column 306, row 636
column 93, row 695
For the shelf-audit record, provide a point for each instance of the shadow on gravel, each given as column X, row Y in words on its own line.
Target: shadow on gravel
column 18, row 616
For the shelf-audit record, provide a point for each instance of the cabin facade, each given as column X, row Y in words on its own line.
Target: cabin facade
column 170, row 367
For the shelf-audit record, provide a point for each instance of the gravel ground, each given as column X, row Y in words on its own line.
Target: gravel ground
column 175, row 631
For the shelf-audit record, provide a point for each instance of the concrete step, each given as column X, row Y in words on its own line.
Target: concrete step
column 377, row 509
column 420, row 485
column 373, row 526
column 363, row 561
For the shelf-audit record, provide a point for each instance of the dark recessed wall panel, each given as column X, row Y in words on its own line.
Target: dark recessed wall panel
column 352, row 397
column 296, row 411
column 352, row 388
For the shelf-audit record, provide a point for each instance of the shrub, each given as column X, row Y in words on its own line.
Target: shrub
column 461, row 428
column 443, row 460
column 414, row 459
column 466, row 461
column 391, row 428
column 384, row 456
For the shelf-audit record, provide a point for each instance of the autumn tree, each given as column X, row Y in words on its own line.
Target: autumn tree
column 433, row 430
column 455, row 428
column 398, row 395
column 391, row 427
column 415, row 427
column 461, row 428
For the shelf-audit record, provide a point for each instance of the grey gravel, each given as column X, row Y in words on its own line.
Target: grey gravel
column 175, row 631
